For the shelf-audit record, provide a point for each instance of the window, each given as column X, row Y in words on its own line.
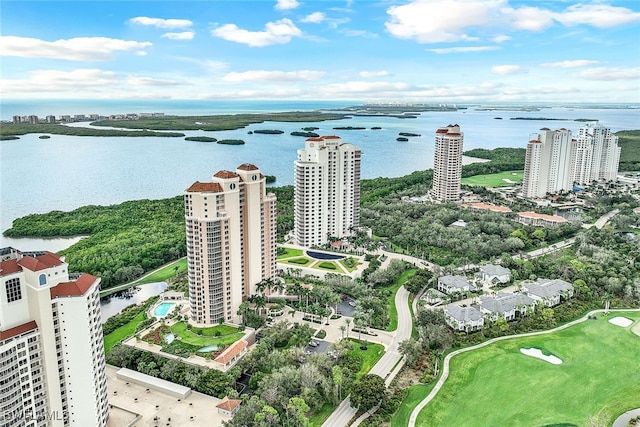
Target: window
column 14, row 292
column 42, row 279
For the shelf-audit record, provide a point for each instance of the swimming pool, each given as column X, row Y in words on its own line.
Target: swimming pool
column 208, row 348
column 163, row 309
column 325, row 257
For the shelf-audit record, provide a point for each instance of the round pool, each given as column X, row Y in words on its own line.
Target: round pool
column 208, row 348
column 163, row 309
column 325, row 257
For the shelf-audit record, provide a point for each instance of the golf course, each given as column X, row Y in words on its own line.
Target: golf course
column 501, row 179
column 598, row 378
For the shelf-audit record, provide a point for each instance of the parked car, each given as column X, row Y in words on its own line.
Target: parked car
column 313, row 343
column 352, row 303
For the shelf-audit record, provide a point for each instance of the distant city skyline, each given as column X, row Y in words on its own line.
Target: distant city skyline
column 431, row 51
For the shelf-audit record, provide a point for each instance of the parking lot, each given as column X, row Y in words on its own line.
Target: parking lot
column 345, row 309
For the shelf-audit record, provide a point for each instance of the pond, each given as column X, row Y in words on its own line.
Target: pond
column 115, row 303
column 324, row 256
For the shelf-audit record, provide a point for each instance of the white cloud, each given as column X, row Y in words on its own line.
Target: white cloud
column 185, row 35
column 428, row 21
column 598, row 15
column 75, row 49
column 279, row 32
column 506, row 69
column 363, row 87
column 149, row 81
column 609, row 74
column 286, row 4
column 359, row 33
column 370, row 74
column 314, row 18
column 576, row 63
column 274, row 76
column 59, row 81
column 464, row 49
column 527, row 18
column 167, row 24
column 500, row 38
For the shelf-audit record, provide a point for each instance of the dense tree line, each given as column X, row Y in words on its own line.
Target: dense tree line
column 11, row 129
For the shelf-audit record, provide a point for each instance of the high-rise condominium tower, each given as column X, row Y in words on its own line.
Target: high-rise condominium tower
column 596, row 154
column 547, row 164
column 52, row 365
column 447, row 164
column 231, row 242
column 555, row 161
column 327, row 190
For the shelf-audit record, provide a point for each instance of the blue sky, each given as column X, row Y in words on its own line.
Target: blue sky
column 433, row 51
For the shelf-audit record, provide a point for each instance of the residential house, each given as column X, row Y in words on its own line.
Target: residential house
column 228, row 406
column 494, row 274
column 465, row 319
column 433, row 296
column 506, row 305
column 453, row 284
column 550, row 292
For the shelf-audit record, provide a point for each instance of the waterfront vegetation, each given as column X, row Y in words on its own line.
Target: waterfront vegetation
column 598, row 366
column 200, row 139
column 305, row 134
column 12, row 130
column 219, row 122
column 123, row 325
column 268, row 131
column 230, row 142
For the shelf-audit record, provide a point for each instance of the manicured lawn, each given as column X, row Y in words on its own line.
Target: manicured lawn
column 497, row 385
column 122, row 332
column 393, row 311
column 328, row 265
column 300, row 261
column 165, row 273
column 289, row 253
column 228, row 335
column 495, row 179
column 416, row 394
column 350, row 264
column 369, row 357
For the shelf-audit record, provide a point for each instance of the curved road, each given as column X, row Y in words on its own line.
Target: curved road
column 385, row 366
column 445, row 365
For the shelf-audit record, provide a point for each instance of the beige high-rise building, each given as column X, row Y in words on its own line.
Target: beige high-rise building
column 447, row 164
column 596, row 154
column 231, row 242
column 52, row 362
column 327, row 190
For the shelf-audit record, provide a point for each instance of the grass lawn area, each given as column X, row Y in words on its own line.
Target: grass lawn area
column 393, row 311
column 290, row 253
column 328, row 265
column 369, row 357
column 495, row 179
column 498, row 385
column 416, row 394
column 125, row 331
column 320, row 416
column 300, row 261
column 228, row 335
column 166, row 272
column 350, row 264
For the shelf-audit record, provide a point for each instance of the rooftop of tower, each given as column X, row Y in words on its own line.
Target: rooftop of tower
column 226, row 174
column 247, row 167
column 204, row 187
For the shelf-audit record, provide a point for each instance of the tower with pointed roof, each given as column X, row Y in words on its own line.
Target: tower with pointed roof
column 447, row 164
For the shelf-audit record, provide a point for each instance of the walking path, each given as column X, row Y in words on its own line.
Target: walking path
column 447, row 359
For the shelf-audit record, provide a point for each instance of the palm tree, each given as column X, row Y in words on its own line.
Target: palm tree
column 342, row 329
column 347, row 322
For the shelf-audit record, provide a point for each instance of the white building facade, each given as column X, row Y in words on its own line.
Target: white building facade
column 327, row 190
column 231, row 242
column 555, row 160
column 52, row 362
column 447, row 163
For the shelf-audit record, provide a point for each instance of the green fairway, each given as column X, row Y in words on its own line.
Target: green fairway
column 167, row 272
column 502, row 179
column 498, row 385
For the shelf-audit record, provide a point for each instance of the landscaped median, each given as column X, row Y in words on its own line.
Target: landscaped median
column 597, row 379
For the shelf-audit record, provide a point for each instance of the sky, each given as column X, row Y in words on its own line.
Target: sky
column 429, row 51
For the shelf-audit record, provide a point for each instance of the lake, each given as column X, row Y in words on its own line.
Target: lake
column 66, row 172
column 114, row 303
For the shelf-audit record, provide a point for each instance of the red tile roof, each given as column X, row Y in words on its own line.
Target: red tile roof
column 234, row 350
column 18, row 330
column 442, row 130
column 229, row 405
column 9, row 267
column 490, row 207
column 74, row 288
column 315, row 139
column 330, row 137
column 247, row 167
column 226, row 174
column 205, row 187
column 40, row 262
column 550, row 218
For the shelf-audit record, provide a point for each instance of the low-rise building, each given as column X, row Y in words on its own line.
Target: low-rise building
column 433, row 296
column 493, row 274
column 506, row 305
column 537, row 219
column 549, row 292
column 488, row 207
column 467, row 319
column 454, row 284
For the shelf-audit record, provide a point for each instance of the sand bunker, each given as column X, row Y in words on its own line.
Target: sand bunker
column 537, row 353
column 621, row 321
column 508, row 181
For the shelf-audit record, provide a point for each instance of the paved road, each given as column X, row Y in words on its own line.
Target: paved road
column 384, row 368
column 447, row 359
